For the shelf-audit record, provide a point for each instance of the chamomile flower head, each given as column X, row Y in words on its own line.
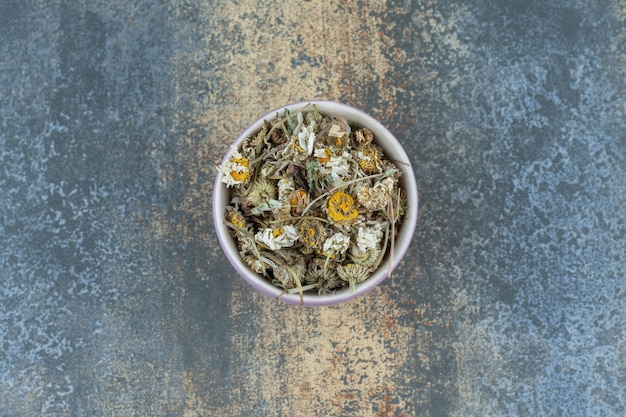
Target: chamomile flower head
column 236, row 170
column 253, row 145
column 324, row 274
column 298, row 200
column 353, row 274
column 289, row 275
column 336, row 244
column 368, row 159
column 323, row 154
column 313, row 116
column 306, row 135
column 236, row 218
column 285, row 187
column 337, row 131
column 342, row 208
column 256, row 265
column 312, row 233
column 262, row 192
column 337, row 168
column 278, row 237
column 369, row 237
column 375, row 198
column 281, row 211
column 362, row 137
column 368, row 258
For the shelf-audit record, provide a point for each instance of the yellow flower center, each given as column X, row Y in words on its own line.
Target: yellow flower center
column 341, row 207
column 326, row 157
column 278, row 231
column 312, row 233
column 370, row 160
column 240, row 175
column 237, row 219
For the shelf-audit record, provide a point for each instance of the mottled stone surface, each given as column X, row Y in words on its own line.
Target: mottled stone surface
column 115, row 298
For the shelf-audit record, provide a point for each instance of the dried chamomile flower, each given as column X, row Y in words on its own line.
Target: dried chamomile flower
column 306, row 135
column 322, row 154
column 376, row 197
column 277, row 238
column 312, row 233
column 324, row 275
column 342, row 208
column 255, row 264
column 262, row 192
column 289, row 275
column 315, row 272
column 298, row 200
column 369, row 237
column 253, row 145
column 368, row 159
column 386, row 185
column 337, row 131
column 285, row 187
column 368, row 258
column 313, row 116
column 236, row 218
column 337, row 168
column 362, row 137
column 332, row 281
column 353, row 274
column 336, row 244
column 281, row 212
column 236, row 170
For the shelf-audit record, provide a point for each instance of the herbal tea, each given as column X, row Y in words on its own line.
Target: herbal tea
column 314, row 202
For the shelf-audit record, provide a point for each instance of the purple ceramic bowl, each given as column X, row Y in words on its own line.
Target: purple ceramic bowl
column 393, row 151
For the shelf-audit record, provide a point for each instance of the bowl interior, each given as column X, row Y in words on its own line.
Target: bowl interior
column 393, row 151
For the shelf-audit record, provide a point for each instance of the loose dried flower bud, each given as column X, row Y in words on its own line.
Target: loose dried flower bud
column 236, row 218
column 312, row 233
column 313, row 116
column 287, row 277
column 280, row 237
column 236, row 170
column 336, row 244
column 369, row 236
column 368, row 159
column 298, row 200
column 254, row 264
column 363, row 137
column 353, row 274
column 342, row 207
column 262, row 192
column 367, row 258
column 377, row 197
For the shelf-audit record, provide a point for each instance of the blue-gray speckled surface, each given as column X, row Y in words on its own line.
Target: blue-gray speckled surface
column 115, row 298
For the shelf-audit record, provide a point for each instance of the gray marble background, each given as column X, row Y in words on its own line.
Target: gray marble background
column 115, row 298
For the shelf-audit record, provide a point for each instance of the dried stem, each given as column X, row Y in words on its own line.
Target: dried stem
column 249, row 235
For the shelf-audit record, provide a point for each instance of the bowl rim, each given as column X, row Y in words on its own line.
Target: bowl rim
column 404, row 234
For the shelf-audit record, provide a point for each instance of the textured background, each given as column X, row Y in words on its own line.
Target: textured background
column 116, row 300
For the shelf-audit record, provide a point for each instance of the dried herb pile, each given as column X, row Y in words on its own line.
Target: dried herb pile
column 314, row 202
